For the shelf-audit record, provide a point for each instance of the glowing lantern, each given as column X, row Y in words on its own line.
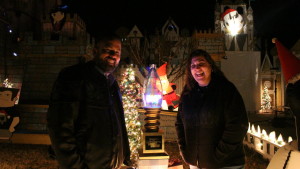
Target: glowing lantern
column 153, row 90
column 153, row 137
column 152, row 100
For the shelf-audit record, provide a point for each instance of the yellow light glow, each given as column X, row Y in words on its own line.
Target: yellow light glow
column 290, row 139
column 258, row 131
column 253, row 129
column 233, row 29
column 165, row 84
column 280, row 140
column 164, row 105
column 7, row 84
column 259, row 144
column 249, row 128
column 272, row 137
column 264, row 134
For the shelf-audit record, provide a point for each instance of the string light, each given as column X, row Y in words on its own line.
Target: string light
column 130, row 93
column 7, row 84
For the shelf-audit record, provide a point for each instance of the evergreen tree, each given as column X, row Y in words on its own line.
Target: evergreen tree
column 130, row 90
column 266, row 99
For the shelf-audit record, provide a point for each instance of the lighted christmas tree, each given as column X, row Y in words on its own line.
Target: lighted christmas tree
column 6, row 83
column 266, row 99
column 130, row 90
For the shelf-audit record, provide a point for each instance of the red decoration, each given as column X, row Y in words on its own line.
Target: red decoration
column 169, row 94
column 290, row 64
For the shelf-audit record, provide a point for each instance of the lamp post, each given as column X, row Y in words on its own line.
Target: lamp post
column 152, row 151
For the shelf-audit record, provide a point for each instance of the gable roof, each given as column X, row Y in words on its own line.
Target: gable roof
column 266, row 64
column 135, row 32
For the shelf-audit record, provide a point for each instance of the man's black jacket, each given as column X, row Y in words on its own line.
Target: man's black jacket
column 86, row 119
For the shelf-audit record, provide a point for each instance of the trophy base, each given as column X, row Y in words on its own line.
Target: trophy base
column 152, row 152
column 153, row 160
column 153, row 142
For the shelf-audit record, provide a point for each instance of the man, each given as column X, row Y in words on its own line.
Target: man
column 85, row 117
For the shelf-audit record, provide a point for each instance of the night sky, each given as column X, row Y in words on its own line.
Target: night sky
column 273, row 18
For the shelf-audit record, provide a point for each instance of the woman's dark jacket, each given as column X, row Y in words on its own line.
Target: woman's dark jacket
column 211, row 125
column 86, row 120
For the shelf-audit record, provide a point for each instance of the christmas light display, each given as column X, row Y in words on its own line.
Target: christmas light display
column 130, row 90
column 266, row 99
column 7, row 84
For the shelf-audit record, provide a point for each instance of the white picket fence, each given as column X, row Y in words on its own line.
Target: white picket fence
column 264, row 143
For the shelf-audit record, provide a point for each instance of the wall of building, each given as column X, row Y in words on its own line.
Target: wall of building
column 40, row 60
column 210, row 41
column 33, row 120
column 243, row 70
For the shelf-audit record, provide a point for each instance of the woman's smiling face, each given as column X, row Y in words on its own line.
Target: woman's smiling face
column 201, row 70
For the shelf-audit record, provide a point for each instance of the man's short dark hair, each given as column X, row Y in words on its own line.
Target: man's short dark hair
column 108, row 37
column 13, row 90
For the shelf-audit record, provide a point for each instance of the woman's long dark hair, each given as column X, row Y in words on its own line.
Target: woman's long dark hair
column 190, row 82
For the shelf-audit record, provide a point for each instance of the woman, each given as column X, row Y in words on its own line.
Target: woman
column 212, row 119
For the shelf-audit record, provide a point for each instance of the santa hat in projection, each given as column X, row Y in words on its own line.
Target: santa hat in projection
column 227, row 11
column 162, row 70
column 290, row 64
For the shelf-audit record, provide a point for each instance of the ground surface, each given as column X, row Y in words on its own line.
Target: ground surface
column 253, row 159
column 24, row 156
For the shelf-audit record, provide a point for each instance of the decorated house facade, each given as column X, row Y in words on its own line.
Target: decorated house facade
column 55, row 39
column 60, row 41
column 172, row 44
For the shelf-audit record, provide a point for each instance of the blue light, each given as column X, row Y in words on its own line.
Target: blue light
column 15, row 54
column 152, row 96
column 64, row 7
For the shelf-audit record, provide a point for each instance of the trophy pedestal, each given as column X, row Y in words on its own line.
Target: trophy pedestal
column 152, row 153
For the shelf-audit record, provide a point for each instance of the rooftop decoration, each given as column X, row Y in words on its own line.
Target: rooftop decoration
column 232, row 21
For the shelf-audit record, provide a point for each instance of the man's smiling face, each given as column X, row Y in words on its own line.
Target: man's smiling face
column 108, row 55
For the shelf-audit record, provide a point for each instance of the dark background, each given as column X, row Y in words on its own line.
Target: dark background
column 272, row 18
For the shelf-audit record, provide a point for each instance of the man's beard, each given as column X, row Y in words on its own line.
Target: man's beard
column 105, row 66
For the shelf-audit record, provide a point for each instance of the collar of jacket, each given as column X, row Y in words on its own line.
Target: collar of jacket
column 91, row 64
column 213, row 82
